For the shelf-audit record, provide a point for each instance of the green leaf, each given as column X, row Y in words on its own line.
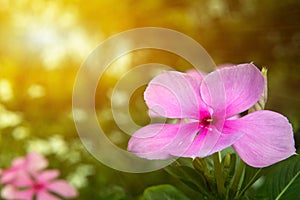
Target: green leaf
column 232, row 165
column 114, row 193
column 190, row 177
column 251, row 176
column 283, row 181
column 229, row 167
column 163, row 192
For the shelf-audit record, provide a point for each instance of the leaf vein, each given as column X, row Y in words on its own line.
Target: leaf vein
column 287, row 186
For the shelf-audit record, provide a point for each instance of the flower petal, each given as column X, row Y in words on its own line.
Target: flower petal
column 210, row 141
column 35, row 162
column 196, row 74
column 7, row 176
column 232, row 90
column 268, row 138
column 174, row 95
column 47, row 175
column 21, row 179
column 162, row 141
column 18, row 178
column 62, row 188
column 10, row 192
column 194, row 150
column 19, row 161
column 44, row 195
column 226, row 139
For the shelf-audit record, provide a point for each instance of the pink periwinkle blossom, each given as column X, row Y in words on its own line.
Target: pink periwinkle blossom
column 28, row 179
column 208, row 108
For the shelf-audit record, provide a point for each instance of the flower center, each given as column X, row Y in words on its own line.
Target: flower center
column 205, row 122
column 38, row 186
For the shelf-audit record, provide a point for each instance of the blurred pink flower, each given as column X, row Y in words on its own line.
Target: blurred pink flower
column 27, row 179
column 32, row 163
column 208, row 106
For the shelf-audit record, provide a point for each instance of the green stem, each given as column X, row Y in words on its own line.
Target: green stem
column 202, row 166
column 237, row 178
column 218, row 174
column 253, row 179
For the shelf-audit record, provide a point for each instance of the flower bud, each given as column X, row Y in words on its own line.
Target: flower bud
column 227, row 161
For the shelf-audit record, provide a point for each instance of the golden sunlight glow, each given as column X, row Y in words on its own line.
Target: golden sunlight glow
column 6, row 91
column 9, row 118
column 36, row 91
column 52, row 32
column 120, row 66
column 21, row 132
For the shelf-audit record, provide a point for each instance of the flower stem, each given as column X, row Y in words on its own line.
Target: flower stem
column 236, row 181
column 200, row 165
column 218, row 174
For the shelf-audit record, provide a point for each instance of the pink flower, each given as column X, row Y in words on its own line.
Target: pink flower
column 27, row 180
column 207, row 106
column 32, row 163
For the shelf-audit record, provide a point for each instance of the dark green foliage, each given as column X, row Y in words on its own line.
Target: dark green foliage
column 282, row 182
column 190, row 177
column 163, row 192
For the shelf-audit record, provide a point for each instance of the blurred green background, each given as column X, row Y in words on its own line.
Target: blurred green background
column 43, row 43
